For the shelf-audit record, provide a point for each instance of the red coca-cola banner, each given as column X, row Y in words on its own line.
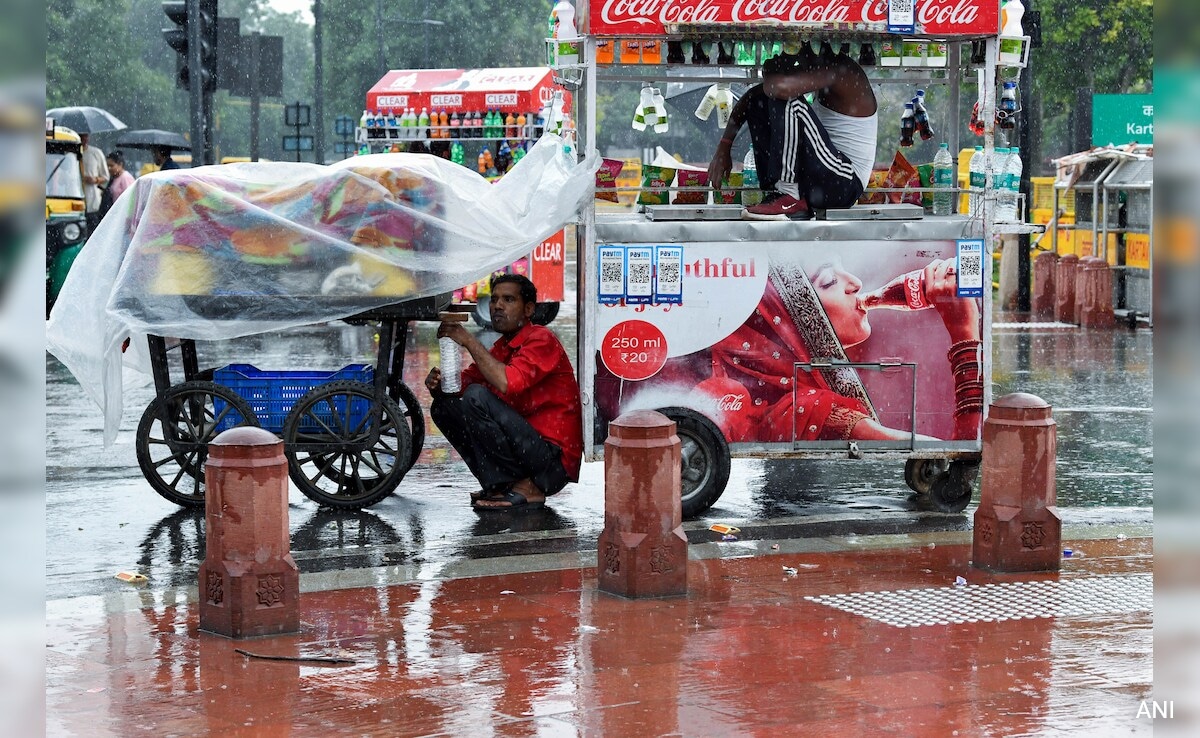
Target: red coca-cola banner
column 650, row 17
column 515, row 89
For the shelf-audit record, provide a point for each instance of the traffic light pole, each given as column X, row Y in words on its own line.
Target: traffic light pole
column 196, row 94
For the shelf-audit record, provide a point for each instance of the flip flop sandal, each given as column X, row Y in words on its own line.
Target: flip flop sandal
column 515, row 500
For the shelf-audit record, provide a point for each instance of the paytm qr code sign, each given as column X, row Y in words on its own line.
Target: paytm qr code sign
column 970, row 267
column 901, row 16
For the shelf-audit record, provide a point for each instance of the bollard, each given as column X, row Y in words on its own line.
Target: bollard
column 1093, row 293
column 1044, row 269
column 1064, row 289
column 249, row 584
column 1017, row 527
column 642, row 550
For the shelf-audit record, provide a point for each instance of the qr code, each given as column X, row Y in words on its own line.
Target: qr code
column 969, row 264
column 639, row 273
column 901, row 7
column 668, row 273
column 610, row 272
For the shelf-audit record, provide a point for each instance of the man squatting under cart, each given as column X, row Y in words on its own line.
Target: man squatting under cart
column 808, row 156
column 518, row 422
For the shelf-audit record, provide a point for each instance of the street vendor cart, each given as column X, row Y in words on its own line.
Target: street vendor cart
column 786, row 339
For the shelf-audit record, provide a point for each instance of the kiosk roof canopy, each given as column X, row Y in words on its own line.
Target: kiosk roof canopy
column 506, row 88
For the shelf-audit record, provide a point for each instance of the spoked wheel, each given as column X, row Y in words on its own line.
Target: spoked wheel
column 704, row 463
column 951, row 491
column 919, row 474
column 346, row 447
column 174, row 433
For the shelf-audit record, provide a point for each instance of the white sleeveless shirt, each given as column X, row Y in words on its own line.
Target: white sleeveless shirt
column 854, row 137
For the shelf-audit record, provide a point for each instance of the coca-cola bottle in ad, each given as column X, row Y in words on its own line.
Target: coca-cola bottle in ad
column 906, row 292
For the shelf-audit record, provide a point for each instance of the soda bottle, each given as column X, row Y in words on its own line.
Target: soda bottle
column 522, row 122
column 457, row 154
column 943, row 179
column 866, row 55
column 906, row 292
column 1006, row 109
column 364, row 121
column 844, row 49
column 922, row 116
column 444, row 123
column 510, row 126
column 743, row 52
column 391, row 124
column 455, row 125
column 908, row 125
column 482, row 162
column 423, row 123
column 675, row 53
column 699, row 54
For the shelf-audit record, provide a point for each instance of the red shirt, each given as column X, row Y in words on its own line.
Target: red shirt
column 541, row 387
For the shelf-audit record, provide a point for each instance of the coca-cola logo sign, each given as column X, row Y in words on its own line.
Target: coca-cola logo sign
column 939, row 17
column 729, row 402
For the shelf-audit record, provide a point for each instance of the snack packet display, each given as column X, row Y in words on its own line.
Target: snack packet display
column 730, row 193
column 688, row 178
column 655, row 181
column 606, row 179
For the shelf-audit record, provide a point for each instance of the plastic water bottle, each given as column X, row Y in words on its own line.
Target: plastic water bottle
column 567, row 43
column 1011, row 193
column 1010, row 31
column 976, row 179
column 451, row 365
column 943, row 179
column 751, row 195
column 1005, row 207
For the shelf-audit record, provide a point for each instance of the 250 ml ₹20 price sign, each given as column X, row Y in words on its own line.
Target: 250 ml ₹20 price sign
column 634, row 350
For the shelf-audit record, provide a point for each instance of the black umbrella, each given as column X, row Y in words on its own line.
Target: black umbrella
column 85, row 119
column 150, row 138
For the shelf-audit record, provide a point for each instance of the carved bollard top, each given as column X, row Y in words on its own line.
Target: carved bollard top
column 641, row 424
column 245, row 435
column 1019, row 406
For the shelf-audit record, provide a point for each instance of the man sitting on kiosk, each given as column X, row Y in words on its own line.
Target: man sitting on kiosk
column 808, row 156
column 518, row 423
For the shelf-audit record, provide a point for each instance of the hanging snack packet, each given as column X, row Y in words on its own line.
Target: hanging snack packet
column 688, row 178
column 655, row 184
column 606, row 179
column 731, row 192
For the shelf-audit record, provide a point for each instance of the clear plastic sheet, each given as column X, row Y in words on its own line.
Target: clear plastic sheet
column 293, row 244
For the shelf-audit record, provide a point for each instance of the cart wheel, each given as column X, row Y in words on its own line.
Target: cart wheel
column 173, row 436
column 544, row 313
column 919, row 474
column 704, row 468
column 951, row 491
column 416, row 422
column 336, row 454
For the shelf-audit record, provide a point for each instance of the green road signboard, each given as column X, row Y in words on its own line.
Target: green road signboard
column 1122, row 119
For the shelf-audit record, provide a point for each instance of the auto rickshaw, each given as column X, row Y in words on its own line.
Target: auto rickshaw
column 66, row 219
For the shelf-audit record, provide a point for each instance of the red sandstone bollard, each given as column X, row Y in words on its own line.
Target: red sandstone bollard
column 249, row 584
column 1093, row 293
column 1017, row 527
column 642, row 549
column 1064, row 289
column 1044, row 269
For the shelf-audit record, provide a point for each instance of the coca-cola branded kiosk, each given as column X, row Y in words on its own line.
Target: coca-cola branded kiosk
column 860, row 334
column 492, row 109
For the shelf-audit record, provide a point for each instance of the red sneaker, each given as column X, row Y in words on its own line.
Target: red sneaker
column 784, row 207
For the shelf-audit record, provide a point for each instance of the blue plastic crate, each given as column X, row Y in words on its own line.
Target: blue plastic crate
column 272, row 393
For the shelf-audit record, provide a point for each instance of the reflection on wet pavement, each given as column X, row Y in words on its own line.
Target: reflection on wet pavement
column 746, row 652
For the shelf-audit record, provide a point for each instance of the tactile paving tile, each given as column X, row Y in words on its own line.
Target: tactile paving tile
column 984, row 603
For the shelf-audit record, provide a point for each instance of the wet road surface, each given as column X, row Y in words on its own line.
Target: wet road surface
column 102, row 516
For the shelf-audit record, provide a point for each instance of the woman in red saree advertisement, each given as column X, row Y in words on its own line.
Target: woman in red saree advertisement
column 816, row 311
